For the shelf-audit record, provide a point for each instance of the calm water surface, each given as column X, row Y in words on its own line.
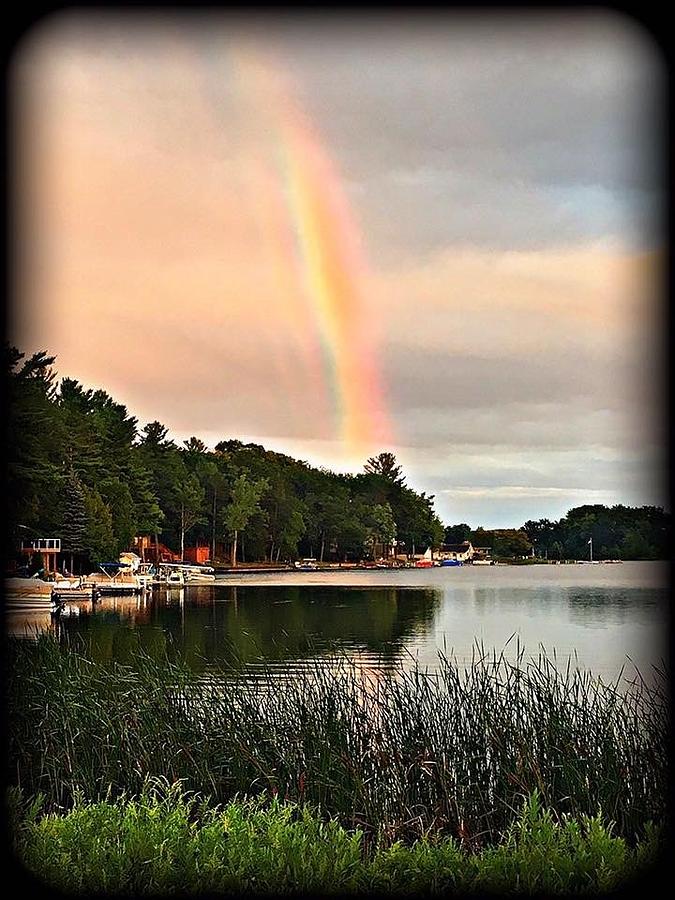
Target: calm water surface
column 599, row 615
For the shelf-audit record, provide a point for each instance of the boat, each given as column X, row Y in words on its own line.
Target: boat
column 306, row 565
column 113, row 578
column 189, row 573
column 426, row 561
column 199, row 574
column 31, row 587
column 22, row 594
column 143, row 572
column 75, row 592
column 33, row 592
column 175, row 579
column 451, row 562
column 482, row 562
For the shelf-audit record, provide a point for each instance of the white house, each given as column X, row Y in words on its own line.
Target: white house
column 461, row 552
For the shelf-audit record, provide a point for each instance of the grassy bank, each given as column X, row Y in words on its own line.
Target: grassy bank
column 453, row 754
column 167, row 842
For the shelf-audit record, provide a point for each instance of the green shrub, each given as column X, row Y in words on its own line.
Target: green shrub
column 166, row 841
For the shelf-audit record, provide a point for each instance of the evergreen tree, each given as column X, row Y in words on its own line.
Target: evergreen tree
column 74, row 521
column 148, row 513
column 385, row 465
column 100, row 539
column 34, row 443
column 118, row 499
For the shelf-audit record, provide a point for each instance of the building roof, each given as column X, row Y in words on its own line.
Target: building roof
column 456, row 548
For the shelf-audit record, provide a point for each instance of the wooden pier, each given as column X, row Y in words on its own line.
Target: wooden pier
column 84, row 592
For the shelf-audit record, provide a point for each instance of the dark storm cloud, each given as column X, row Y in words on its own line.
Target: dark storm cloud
column 546, row 132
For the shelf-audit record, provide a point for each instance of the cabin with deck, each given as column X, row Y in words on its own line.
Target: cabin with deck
column 48, row 548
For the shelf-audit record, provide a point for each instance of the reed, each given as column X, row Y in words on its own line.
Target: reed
column 454, row 753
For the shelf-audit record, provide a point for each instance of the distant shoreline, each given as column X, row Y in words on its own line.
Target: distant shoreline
column 355, row 567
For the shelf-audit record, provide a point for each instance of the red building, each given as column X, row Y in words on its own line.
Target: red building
column 198, row 555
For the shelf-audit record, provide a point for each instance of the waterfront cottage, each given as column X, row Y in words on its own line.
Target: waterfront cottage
column 461, row 552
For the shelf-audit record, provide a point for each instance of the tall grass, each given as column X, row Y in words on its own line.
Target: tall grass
column 452, row 753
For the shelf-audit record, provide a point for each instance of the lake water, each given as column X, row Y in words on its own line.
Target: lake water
column 599, row 615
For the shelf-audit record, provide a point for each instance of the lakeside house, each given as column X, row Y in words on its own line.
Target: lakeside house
column 461, row 552
column 159, row 552
column 464, row 552
column 48, row 548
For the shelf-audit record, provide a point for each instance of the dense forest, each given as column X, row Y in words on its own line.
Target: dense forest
column 79, row 467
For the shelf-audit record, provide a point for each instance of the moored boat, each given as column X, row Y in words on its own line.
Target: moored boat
column 184, row 573
column 33, row 592
column 113, row 578
column 306, row 565
column 143, row 572
column 175, row 579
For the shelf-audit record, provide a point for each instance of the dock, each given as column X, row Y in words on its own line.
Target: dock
column 112, row 588
column 83, row 592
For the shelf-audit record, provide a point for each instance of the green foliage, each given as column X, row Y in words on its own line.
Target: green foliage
column 188, row 502
column 326, row 518
column 244, row 501
column 37, row 562
column 168, row 841
column 100, row 538
column 120, row 503
column 33, row 442
column 457, row 534
column 150, row 485
column 618, row 532
column 381, row 528
column 149, row 516
column 74, row 520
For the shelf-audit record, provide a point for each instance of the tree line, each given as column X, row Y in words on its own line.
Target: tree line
column 617, row 532
column 81, row 468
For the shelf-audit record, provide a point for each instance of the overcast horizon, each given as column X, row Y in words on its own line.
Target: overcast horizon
column 438, row 236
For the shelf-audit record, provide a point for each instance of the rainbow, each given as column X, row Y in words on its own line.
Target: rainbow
column 323, row 263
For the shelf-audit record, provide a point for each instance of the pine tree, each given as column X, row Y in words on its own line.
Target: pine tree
column 100, row 537
column 74, row 521
column 385, row 464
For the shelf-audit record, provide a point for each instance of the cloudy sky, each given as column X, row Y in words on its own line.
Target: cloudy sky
column 437, row 236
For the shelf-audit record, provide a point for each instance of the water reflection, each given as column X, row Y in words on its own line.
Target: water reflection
column 242, row 626
column 597, row 618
